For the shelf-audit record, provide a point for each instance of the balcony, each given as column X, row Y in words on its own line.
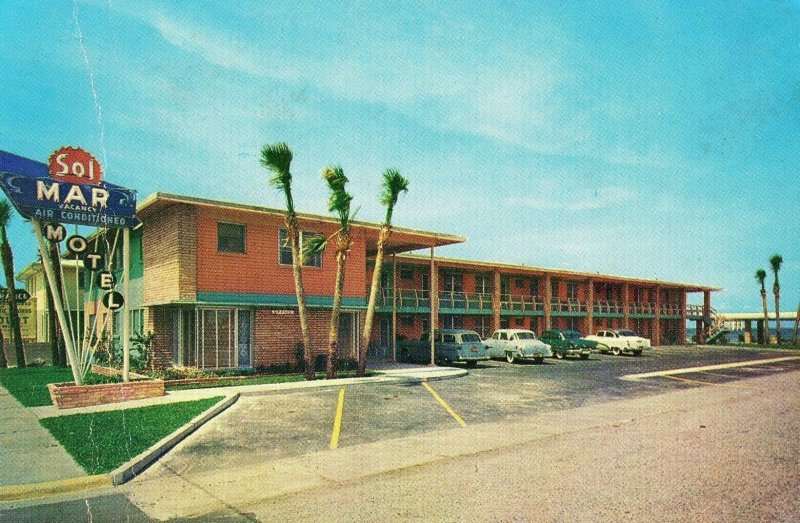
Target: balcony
column 567, row 306
column 643, row 309
column 521, row 303
column 608, row 307
column 419, row 299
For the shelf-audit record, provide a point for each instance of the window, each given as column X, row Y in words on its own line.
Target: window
column 504, row 286
column 519, row 322
column 572, row 290
column 519, row 282
column 483, row 284
column 482, row 326
column 407, row 321
column 534, row 287
column 449, row 338
column 453, row 322
column 554, row 289
column 426, row 282
column 286, row 249
column 231, row 237
column 453, row 282
column 426, row 324
column 406, row 274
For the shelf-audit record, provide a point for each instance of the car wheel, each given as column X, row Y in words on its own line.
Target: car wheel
column 538, row 359
column 471, row 363
column 584, row 356
column 510, row 357
column 559, row 355
column 616, row 351
column 637, row 353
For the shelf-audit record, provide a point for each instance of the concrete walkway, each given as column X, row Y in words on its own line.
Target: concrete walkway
column 29, row 454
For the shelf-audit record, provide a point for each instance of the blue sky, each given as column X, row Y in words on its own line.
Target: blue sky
column 648, row 139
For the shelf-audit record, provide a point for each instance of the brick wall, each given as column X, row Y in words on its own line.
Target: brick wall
column 158, row 321
column 71, row 396
column 169, row 243
column 276, row 335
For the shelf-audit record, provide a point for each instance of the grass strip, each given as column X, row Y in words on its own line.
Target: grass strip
column 102, row 441
column 29, row 385
column 260, row 380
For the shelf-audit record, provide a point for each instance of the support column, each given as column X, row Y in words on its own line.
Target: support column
column 496, row 300
column 434, row 299
column 748, row 331
column 126, row 311
column 701, row 335
column 682, row 327
column 626, row 306
column 548, row 303
column 657, row 320
column 590, row 308
column 394, row 308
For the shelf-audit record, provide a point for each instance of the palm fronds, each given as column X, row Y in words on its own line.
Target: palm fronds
column 339, row 200
column 776, row 261
column 760, row 276
column 278, row 159
column 393, row 184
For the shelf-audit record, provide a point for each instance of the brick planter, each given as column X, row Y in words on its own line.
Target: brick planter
column 69, row 395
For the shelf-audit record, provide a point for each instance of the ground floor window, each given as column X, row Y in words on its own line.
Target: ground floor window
column 212, row 337
column 483, row 326
column 453, row 322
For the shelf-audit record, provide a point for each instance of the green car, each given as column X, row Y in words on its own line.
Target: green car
column 568, row 343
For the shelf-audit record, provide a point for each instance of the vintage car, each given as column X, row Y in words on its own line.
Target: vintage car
column 568, row 343
column 450, row 346
column 619, row 341
column 517, row 344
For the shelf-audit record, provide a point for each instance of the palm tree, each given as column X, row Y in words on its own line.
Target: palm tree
column 278, row 158
column 3, row 361
column 393, row 185
column 775, row 261
column 338, row 203
column 761, row 275
column 8, row 268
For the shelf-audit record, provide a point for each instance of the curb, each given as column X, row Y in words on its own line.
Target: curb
column 135, row 466
column 51, row 488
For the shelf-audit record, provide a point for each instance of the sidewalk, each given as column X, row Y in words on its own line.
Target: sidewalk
column 32, row 463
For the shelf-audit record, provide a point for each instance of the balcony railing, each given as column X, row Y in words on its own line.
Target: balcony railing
column 567, row 306
column 463, row 300
column 608, row 307
column 643, row 308
column 670, row 309
column 407, row 298
column 521, row 303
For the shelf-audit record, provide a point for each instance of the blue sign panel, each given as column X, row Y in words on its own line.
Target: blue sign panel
column 38, row 196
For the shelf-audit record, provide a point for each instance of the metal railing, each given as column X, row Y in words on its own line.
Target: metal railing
column 567, row 306
column 463, row 300
column 608, row 307
column 521, row 303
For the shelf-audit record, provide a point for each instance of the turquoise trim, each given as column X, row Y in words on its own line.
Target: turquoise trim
column 515, row 313
column 277, row 300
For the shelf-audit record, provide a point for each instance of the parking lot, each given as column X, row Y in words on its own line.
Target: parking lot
column 275, row 426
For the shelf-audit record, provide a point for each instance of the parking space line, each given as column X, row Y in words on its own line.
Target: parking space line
column 693, row 370
column 720, row 375
column 337, row 422
column 705, row 382
column 445, row 405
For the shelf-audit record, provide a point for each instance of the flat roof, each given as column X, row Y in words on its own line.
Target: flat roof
column 532, row 270
column 402, row 239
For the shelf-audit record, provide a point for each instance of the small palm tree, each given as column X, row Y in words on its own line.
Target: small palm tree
column 775, row 262
column 393, row 185
column 8, row 267
column 339, row 204
column 761, row 275
column 278, row 158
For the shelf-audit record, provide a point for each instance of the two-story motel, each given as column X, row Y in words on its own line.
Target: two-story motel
column 213, row 282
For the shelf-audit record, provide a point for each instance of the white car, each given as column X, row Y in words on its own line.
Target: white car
column 517, row 344
column 619, row 341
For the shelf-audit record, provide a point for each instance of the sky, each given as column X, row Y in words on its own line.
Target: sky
column 646, row 139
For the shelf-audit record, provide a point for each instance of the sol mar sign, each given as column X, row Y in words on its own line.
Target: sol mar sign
column 69, row 190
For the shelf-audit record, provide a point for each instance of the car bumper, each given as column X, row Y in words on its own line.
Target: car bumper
column 578, row 352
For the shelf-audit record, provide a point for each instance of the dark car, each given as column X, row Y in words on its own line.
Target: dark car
column 568, row 343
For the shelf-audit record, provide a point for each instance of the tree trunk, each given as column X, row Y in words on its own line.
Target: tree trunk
column 776, row 290
column 297, row 263
column 3, row 360
column 796, row 324
column 766, row 317
column 333, row 333
column 373, row 295
column 13, row 311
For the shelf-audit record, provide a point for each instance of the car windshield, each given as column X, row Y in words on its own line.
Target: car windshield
column 627, row 333
column 469, row 338
column 572, row 335
column 527, row 335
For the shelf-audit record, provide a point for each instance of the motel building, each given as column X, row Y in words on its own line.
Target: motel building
column 212, row 281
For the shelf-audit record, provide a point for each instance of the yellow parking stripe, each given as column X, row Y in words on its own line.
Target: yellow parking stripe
column 693, row 370
column 445, row 405
column 337, row 422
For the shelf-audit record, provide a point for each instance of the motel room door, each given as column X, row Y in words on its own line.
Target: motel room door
column 348, row 336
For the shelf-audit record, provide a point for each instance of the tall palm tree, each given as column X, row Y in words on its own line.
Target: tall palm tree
column 761, row 275
column 338, row 203
column 8, row 268
column 278, row 158
column 3, row 360
column 775, row 261
column 393, row 185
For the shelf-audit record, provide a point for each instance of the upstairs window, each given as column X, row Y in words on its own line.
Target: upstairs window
column 231, row 237
column 286, row 249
